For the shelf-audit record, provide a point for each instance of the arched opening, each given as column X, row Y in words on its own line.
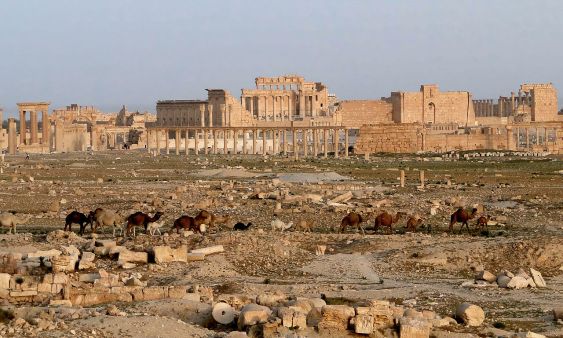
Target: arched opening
column 432, row 109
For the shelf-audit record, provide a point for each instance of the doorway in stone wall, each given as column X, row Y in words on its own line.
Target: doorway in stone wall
column 432, row 108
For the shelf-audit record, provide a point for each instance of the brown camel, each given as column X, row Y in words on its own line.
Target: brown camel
column 76, row 218
column 187, row 223
column 385, row 219
column 482, row 222
column 210, row 219
column 461, row 216
column 141, row 219
column 413, row 223
column 353, row 219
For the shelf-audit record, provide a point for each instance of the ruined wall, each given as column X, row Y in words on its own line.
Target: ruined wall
column 356, row 113
column 544, row 103
column 389, row 138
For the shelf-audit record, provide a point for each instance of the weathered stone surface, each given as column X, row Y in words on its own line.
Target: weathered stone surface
column 414, row 328
column 223, row 313
column 486, row 275
column 336, row 317
column 252, row 314
column 538, row 278
column 270, row 300
column 60, row 302
column 127, row 256
column 363, row 324
column 5, row 280
column 89, row 277
column 45, row 253
column 470, row 314
column 165, row 254
column 503, row 281
column 518, row 282
column 209, row 250
column 27, row 293
column 529, row 334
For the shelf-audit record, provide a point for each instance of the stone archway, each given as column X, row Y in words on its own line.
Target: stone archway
column 432, row 108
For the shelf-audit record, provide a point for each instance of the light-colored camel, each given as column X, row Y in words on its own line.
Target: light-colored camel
column 104, row 217
column 153, row 227
column 8, row 219
column 304, row 225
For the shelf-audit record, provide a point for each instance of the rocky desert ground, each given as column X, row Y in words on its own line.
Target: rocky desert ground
column 501, row 280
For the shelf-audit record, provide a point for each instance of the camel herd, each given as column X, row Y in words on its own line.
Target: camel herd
column 199, row 224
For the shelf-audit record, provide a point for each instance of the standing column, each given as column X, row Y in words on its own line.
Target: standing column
column 186, row 142
column 210, row 108
column 315, row 142
column 225, row 142
column 527, row 138
column 284, row 133
column 196, row 141
column 346, row 142
column 295, row 145
column 264, row 131
column 23, row 127
column 253, row 141
column 325, row 140
column 149, row 134
column 214, row 141
column 177, row 141
column 33, row 127
column 275, row 141
column 244, row 142
column 545, row 136
column 167, row 140
column 157, row 142
column 252, row 106
column 46, row 127
column 12, row 136
column 202, row 115
column 301, row 104
column 335, row 141
column 235, row 141
column 305, row 133
column 205, row 141
column 223, row 112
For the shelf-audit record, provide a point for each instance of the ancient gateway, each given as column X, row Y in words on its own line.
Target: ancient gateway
column 288, row 115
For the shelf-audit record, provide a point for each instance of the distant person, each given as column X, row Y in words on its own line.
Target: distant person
column 26, row 156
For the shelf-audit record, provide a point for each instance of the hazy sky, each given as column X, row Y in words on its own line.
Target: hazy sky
column 112, row 52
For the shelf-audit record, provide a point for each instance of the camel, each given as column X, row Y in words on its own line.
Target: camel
column 188, row 223
column 153, row 227
column 304, row 225
column 413, row 223
column 141, row 219
column 105, row 217
column 76, row 217
column 208, row 218
column 461, row 216
column 353, row 219
column 8, row 219
column 278, row 224
column 482, row 222
column 387, row 220
column 241, row 226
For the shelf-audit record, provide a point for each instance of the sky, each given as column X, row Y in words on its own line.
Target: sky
column 109, row 53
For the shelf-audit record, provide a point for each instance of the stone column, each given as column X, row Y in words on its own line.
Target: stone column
column 205, row 141
column 196, row 141
column 157, row 132
column 325, row 141
column 186, row 142
column 274, row 142
column 33, row 127
column 284, row 134
column 422, row 179
column 254, row 131
column 315, row 142
column 12, row 136
column 59, row 142
column 149, row 134
column 295, row 145
column 167, row 140
column 202, row 115
column 215, row 142
column 335, row 141
column 264, row 132
column 223, row 111
column 235, row 141
column 402, row 179
column 512, row 101
column 301, row 104
column 305, row 133
column 545, row 136
column 252, row 106
column 210, row 108
column 527, row 138
column 177, row 141
column 225, row 142
column 46, row 128
column 23, row 127
column 244, row 142
column 346, row 142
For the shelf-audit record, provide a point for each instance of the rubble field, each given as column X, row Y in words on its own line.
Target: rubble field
column 504, row 279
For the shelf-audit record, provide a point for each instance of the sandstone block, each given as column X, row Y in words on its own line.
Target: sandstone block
column 503, row 281
column 470, row 314
column 518, row 282
column 252, row 314
column 45, row 253
column 177, row 292
column 127, row 256
column 28, row 293
column 89, row 277
column 538, row 278
column 486, row 275
column 529, row 334
column 363, row 324
column 5, row 280
column 336, row 317
column 414, row 328
column 209, row 250
column 60, row 302
column 270, row 300
column 88, row 256
column 165, row 254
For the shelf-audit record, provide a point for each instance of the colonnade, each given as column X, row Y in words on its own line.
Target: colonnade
column 306, row 141
column 527, row 137
column 34, row 139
